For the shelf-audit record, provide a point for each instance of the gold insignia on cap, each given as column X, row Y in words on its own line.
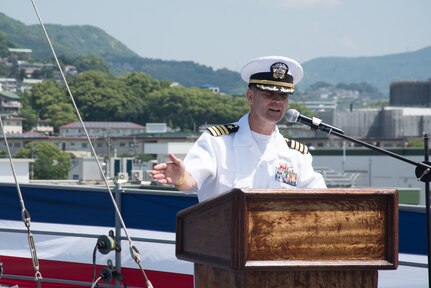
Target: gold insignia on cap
column 223, row 129
column 278, row 88
column 296, row 145
column 279, row 70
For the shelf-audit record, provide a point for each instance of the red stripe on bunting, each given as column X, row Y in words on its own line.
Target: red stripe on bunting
column 54, row 270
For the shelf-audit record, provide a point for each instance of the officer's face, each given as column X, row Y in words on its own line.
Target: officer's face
column 268, row 105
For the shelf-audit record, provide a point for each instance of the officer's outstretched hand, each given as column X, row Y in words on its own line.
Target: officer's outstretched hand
column 171, row 172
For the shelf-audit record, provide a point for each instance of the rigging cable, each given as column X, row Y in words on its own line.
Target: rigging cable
column 134, row 252
column 24, row 214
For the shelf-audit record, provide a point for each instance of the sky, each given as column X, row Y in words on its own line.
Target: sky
column 229, row 33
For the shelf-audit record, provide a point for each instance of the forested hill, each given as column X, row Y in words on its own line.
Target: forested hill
column 71, row 41
column 67, row 40
column 83, row 40
column 187, row 73
column 377, row 71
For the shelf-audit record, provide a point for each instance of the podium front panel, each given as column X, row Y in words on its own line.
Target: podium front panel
column 209, row 231
column 316, row 229
column 292, row 229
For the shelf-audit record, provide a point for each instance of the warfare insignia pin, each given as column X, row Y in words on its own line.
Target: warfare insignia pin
column 279, row 70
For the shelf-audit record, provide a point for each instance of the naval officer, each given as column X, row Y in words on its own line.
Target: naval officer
column 250, row 153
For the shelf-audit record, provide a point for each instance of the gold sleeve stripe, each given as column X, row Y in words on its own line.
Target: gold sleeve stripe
column 219, row 131
column 222, row 129
column 212, row 131
column 297, row 146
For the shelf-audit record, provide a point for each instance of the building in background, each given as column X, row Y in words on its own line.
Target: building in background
column 101, row 128
column 9, row 103
column 410, row 94
column 22, row 169
column 12, row 125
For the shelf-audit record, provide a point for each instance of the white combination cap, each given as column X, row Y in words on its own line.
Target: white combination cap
column 273, row 73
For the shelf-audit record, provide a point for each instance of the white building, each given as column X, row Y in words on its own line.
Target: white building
column 162, row 149
column 101, row 129
column 10, row 102
column 21, row 167
column 86, row 168
column 27, row 84
column 44, row 127
column 156, row 128
column 8, row 84
column 12, row 125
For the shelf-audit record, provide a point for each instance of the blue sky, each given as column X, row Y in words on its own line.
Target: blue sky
column 229, row 33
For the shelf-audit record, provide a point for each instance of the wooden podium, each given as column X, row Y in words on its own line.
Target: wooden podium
column 290, row 238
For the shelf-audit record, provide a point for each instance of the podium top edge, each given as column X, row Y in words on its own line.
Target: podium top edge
column 328, row 191
column 279, row 193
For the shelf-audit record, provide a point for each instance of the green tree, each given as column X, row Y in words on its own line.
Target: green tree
column 4, row 45
column 43, row 73
column 415, row 143
column 31, row 117
column 100, row 96
column 137, row 87
column 61, row 113
column 4, row 52
column 142, row 83
column 89, row 63
column 50, row 163
column 3, row 154
column 50, row 101
column 191, row 107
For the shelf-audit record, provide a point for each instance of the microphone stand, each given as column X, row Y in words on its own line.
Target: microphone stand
column 423, row 173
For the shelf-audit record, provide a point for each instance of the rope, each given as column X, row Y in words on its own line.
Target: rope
column 24, row 213
column 131, row 246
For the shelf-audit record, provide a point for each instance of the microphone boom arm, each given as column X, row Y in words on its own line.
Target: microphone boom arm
column 424, row 168
column 423, row 173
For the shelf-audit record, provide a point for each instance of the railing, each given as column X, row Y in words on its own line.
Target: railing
column 412, row 218
column 119, row 194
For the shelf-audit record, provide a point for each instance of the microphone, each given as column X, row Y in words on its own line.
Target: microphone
column 293, row 115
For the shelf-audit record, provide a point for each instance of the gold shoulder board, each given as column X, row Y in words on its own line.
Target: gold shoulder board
column 222, row 129
column 297, row 146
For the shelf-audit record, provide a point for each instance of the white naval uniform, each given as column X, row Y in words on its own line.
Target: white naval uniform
column 220, row 163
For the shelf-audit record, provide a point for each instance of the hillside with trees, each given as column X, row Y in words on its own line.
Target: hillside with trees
column 50, row 162
column 75, row 41
column 135, row 97
column 378, row 71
